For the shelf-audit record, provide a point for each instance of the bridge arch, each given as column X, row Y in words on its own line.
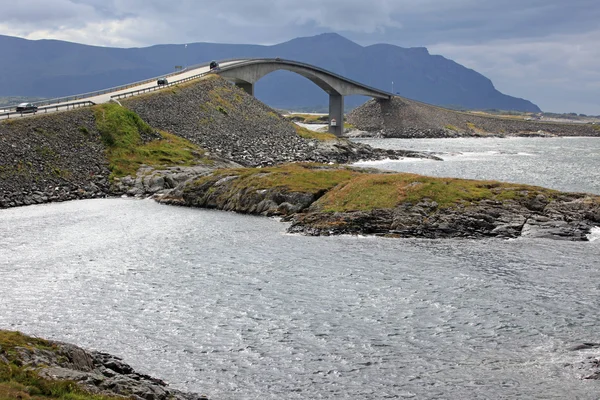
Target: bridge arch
column 247, row 72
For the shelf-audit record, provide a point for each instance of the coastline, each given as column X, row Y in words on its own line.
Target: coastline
column 56, row 369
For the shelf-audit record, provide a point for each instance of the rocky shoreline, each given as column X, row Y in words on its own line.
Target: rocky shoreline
column 84, row 373
column 509, row 211
column 94, row 372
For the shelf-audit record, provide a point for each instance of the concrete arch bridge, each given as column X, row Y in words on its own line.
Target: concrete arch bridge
column 245, row 73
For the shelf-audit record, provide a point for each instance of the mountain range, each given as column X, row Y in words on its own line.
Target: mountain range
column 53, row 68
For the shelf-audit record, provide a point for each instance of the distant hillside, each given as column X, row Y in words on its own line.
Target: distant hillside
column 51, row 68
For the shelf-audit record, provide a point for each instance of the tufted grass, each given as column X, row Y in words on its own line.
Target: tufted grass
column 309, row 118
column 120, row 130
column 19, row 382
column 297, row 177
column 375, row 191
column 346, row 189
column 308, row 134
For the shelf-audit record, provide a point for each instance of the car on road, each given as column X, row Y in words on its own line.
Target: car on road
column 162, row 81
column 214, row 66
column 26, row 108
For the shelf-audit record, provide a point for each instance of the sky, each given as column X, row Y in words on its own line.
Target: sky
column 546, row 51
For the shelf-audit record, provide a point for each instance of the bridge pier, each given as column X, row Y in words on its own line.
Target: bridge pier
column 336, row 112
column 246, row 86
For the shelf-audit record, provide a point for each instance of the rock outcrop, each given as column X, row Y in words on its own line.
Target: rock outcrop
column 503, row 212
column 569, row 218
column 94, row 372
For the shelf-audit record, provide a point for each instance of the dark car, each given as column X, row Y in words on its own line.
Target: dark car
column 214, row 66
column 162, row 81
column 26, row 107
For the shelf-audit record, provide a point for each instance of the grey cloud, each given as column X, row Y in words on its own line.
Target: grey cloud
column 520, row 44
column 402, row 22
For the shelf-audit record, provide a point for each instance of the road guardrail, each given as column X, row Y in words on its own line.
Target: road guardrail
column 66, row 106
column 69, row 99
column 158, row 87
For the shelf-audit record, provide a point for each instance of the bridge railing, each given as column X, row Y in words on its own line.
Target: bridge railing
column 99, row 92
column 55, row 107
column 113, row 89
column 158, row 87
column 53, row 103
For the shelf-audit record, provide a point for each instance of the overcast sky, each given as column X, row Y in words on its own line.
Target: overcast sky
column 547, row 51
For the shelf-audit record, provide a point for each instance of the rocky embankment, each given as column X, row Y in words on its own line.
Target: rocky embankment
column 232, row 125
column 404, row 118
column 61, row 156
column 569, row 217
column 55, row 157
column 321, row 200
column 94, row 373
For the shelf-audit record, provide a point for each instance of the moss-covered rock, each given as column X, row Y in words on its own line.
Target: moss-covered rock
column 325, row 199
column 33, row 368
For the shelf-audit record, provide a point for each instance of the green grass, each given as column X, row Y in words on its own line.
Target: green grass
column 346, row 189
column 297, row 177
column 20, row 382
column 120, row 131
column 308, row 134
column 309, row 118
column 451, row 128
column 373, row 191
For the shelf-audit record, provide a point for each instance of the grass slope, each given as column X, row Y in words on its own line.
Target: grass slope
column 121, row 131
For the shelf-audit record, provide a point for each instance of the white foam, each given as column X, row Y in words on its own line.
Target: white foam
column 387, row 161
column 594, row 234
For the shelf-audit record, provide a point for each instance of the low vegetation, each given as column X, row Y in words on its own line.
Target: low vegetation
column 308, row 118
column 308, row 134
column 373, row 191
column 121, row 131
column 298, row 177
column 354, row 189
column 18, row 381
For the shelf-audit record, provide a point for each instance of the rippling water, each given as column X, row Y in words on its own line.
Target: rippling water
column 562, row 163
column 234, row 307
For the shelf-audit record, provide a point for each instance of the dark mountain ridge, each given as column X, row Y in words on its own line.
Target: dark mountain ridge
column 53, row 68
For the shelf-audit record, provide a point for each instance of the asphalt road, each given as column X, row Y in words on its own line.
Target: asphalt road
column 105, row 97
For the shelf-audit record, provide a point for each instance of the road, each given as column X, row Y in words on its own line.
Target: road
column 105, row 97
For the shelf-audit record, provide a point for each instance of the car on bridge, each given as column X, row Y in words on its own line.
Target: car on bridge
column 214, row 66
column 27, row 108
column 162, row 81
